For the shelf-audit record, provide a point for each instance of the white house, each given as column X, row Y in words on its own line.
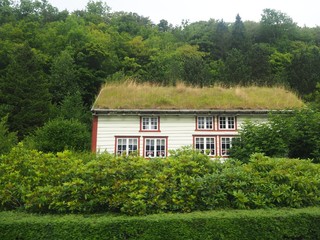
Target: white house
column 129, row 118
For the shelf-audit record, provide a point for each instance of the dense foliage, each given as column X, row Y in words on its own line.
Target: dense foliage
column 184, row 182
column 286, row 224
column 295, row 135
column 47, row 55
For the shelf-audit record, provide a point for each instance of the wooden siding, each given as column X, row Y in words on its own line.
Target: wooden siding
column 179, row 130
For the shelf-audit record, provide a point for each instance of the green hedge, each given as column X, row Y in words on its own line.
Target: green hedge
column 236, row 224
column 184, row 182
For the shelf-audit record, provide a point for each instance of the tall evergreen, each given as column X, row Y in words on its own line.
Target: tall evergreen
column 24, row 90
column 238, row 34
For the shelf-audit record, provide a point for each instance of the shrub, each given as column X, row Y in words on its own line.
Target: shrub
column 187, row 181
column 60, row 134
column 296, row 135
column 242, row 225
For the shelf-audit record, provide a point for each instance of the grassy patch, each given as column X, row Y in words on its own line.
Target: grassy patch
column 130, row 95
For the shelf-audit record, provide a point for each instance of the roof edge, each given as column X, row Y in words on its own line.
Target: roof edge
column 97, row 111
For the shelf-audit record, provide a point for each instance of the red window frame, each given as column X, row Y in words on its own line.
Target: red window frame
column 227, row 128
column 220, row 145
column 125, row 137
column 206, row 136
column 149, row 130
column 205, row 129
column 154, row 138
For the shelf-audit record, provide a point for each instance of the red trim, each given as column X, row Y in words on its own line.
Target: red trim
column 207, row 136
column 116, row 142
column 223, row 129
column 142, row 130
column 153, row 137
column 205, row 130
column 94, row 134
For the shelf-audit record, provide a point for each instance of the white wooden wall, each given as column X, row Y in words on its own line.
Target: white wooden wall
column 179, row 129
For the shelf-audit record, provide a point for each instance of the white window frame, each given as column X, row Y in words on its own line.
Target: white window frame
column 130, row 146
column 205, row 141
column 205, row 123
column 225, row 146
column 150, row 123
column 229, row 123
column 155, row 147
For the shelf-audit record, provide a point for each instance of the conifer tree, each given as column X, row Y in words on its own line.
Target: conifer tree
column 24, row 90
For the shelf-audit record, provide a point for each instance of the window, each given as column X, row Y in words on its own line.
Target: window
column 226, row 144
column 205, row 145
column 150, row 124
column 204, row 123
column 155, row 147
column 126, row 146
column 227, row 123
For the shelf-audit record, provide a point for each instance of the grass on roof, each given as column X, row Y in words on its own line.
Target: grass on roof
column 130, row 95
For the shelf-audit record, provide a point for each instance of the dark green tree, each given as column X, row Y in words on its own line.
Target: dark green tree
column 276, row 26
column 304, row 71
column 236, row 69
column 164, row 26
column 258, row 61
column 221, row 40
column 7, row 139
column 238, row 34
column 63, row 78
column 24, row 90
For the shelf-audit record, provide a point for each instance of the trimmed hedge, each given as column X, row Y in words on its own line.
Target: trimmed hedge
column 236, row 224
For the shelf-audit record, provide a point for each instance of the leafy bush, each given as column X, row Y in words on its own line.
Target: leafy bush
column 186, row 181
column 60, row 134
column 296, row 135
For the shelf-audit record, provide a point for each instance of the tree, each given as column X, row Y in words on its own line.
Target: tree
column 221, row 40
column 7, row 139
column 236, row 68
column 238, row 34
column 279, row 63
column 258, row 61
column 304, row 71
column 276, row 25
column 24, row 90
column 63, row 78
column 164, row 26
column 96, row 11
column 72, row 107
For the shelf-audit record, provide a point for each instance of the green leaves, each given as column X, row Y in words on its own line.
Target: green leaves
column 184, row 182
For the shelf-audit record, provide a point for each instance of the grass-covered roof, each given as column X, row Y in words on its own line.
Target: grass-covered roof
column 130, row 95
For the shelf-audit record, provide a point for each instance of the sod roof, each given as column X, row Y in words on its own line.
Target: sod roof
column 130, row 95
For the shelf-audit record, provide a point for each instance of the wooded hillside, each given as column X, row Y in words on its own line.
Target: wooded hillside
column 53, row 63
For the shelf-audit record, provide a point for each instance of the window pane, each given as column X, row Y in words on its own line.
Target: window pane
column 225, row 146
column 150, row 123
column 231, row 122
column 155, row 147
column 200, row 122
column 154, row 123
column 222, row 122
column 209, row 122
column 200, row 144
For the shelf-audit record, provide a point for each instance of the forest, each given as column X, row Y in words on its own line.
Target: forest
column 53, row 63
